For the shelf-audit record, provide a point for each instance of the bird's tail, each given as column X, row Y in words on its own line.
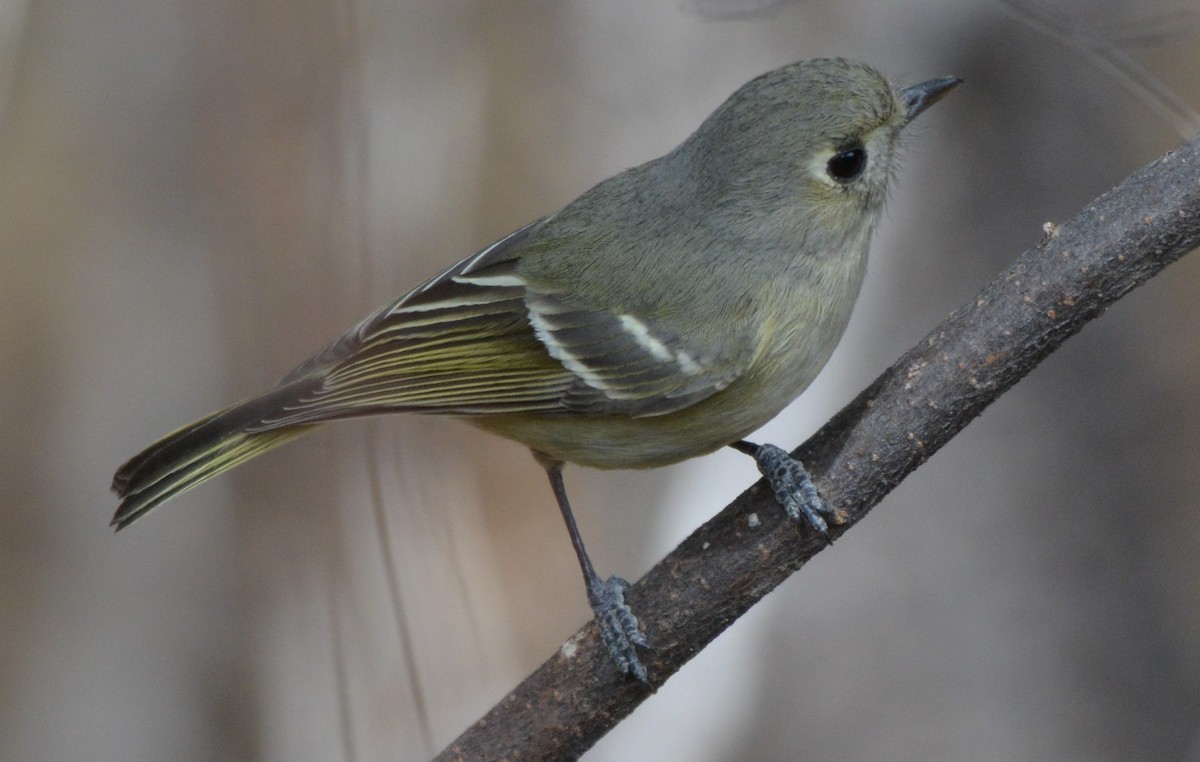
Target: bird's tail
column 196, row 453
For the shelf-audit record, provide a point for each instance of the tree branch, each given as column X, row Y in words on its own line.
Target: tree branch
column 929, row 395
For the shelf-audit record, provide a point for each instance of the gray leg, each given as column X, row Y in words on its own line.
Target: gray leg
column 618, row 626
column 793, row 487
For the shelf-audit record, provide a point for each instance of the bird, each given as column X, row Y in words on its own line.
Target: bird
column 669, row 311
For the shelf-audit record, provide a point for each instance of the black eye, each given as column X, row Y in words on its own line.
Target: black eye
column 847, row 164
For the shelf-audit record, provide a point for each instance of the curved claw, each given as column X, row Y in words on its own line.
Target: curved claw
column 618, row 626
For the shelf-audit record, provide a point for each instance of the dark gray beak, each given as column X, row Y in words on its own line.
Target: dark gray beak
column 920, row 97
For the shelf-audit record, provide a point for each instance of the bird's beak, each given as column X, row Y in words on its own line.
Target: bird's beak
column 920, row 97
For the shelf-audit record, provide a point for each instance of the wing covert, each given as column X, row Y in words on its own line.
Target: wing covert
column 477, row 339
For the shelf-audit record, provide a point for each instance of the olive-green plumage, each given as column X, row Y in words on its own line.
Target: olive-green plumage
column 670, row 310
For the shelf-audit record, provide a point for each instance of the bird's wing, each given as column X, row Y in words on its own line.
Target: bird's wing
column 477, row 339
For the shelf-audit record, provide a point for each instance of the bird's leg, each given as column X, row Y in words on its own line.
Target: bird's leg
column 618, row 626
column 793, row 487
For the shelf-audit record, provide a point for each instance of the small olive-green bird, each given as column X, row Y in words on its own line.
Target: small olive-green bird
column 667, row 312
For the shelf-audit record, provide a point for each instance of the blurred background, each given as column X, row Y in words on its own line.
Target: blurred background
column 195, row 196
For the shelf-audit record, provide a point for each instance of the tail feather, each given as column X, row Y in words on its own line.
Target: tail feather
column 196, row 453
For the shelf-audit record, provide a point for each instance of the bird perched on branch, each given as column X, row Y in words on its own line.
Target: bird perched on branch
column 667, row 312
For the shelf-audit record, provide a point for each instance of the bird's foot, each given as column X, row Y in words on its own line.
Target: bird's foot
column 792, row 485
column 618, row 626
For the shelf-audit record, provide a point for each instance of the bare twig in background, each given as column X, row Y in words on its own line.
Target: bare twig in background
column 929, row 395
column 1100, row 47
